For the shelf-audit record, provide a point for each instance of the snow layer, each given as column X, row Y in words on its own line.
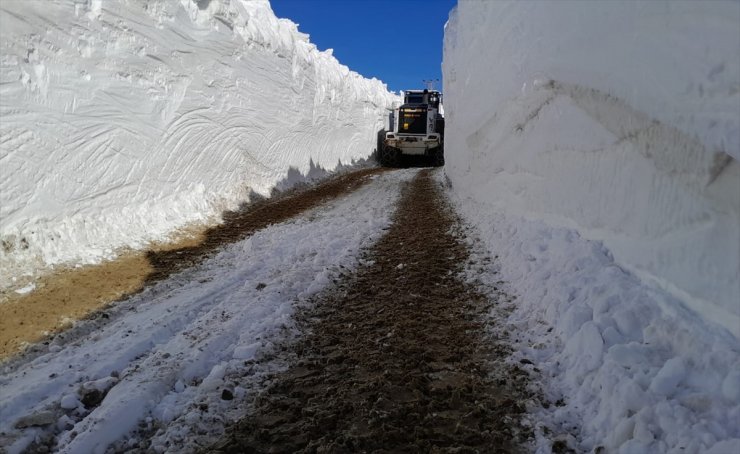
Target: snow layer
column 620, row 120
column 595, row 147
column 124, row 120
column 171, row 351
column 624, row 366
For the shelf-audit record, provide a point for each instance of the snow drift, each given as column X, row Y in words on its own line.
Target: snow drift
column 620, row 120
column 596, row 147
column 122, row 121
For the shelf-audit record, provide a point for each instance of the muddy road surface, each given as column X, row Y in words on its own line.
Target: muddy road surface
column 395, row 357
column 336, row 318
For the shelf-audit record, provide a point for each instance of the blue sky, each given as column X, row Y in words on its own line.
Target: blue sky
column 397, row 41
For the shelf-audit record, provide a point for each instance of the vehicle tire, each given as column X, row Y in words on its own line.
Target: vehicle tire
column 438, row 158
column 380, row 146
column 391, row 157
column 380, row 156
column 440, row 127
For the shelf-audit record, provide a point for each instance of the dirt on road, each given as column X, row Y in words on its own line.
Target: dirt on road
column 73, row 294
column 395, row 358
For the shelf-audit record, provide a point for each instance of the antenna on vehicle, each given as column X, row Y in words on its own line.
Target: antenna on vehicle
column 429, row 83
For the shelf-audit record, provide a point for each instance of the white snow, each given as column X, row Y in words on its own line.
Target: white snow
column 69, row 402
column 594, row 145
column 592, row 116
column 27, row 289
column 123, row 121
column 637, row 372
column 182, row 342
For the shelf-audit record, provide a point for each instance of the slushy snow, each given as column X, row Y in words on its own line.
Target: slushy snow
column 595, row 148
column 123, row 121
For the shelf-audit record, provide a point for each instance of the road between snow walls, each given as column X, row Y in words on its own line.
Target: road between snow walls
column 380, row 320
column 598, row 312
column 397, row 356
column 360, row 324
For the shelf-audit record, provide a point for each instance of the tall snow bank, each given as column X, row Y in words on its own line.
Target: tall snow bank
column 619, row 120
column 595, row 146
column 123, row 120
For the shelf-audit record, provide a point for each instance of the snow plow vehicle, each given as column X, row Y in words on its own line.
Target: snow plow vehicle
column 416, row 129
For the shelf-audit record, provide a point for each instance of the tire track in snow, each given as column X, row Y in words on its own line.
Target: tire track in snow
column 74, row 294
column 171, row 347
column 398, row 357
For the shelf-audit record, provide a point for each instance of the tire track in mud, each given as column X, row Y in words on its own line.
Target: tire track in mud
column 396, row 357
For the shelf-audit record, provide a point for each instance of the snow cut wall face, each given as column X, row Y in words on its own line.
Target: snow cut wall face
column 123, row 120
column 618, row 119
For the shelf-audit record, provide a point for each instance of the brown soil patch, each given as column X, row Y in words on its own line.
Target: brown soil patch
column 396, row 358
column 72, row 294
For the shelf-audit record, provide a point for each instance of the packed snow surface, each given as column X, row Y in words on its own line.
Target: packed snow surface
column 171, row 351
column 124, row 120
column 595, row 147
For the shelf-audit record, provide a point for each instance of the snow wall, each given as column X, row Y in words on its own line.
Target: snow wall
column 124, row 120
column 618, row 119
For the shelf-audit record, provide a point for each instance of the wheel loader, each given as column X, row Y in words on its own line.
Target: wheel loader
column 416, row 129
